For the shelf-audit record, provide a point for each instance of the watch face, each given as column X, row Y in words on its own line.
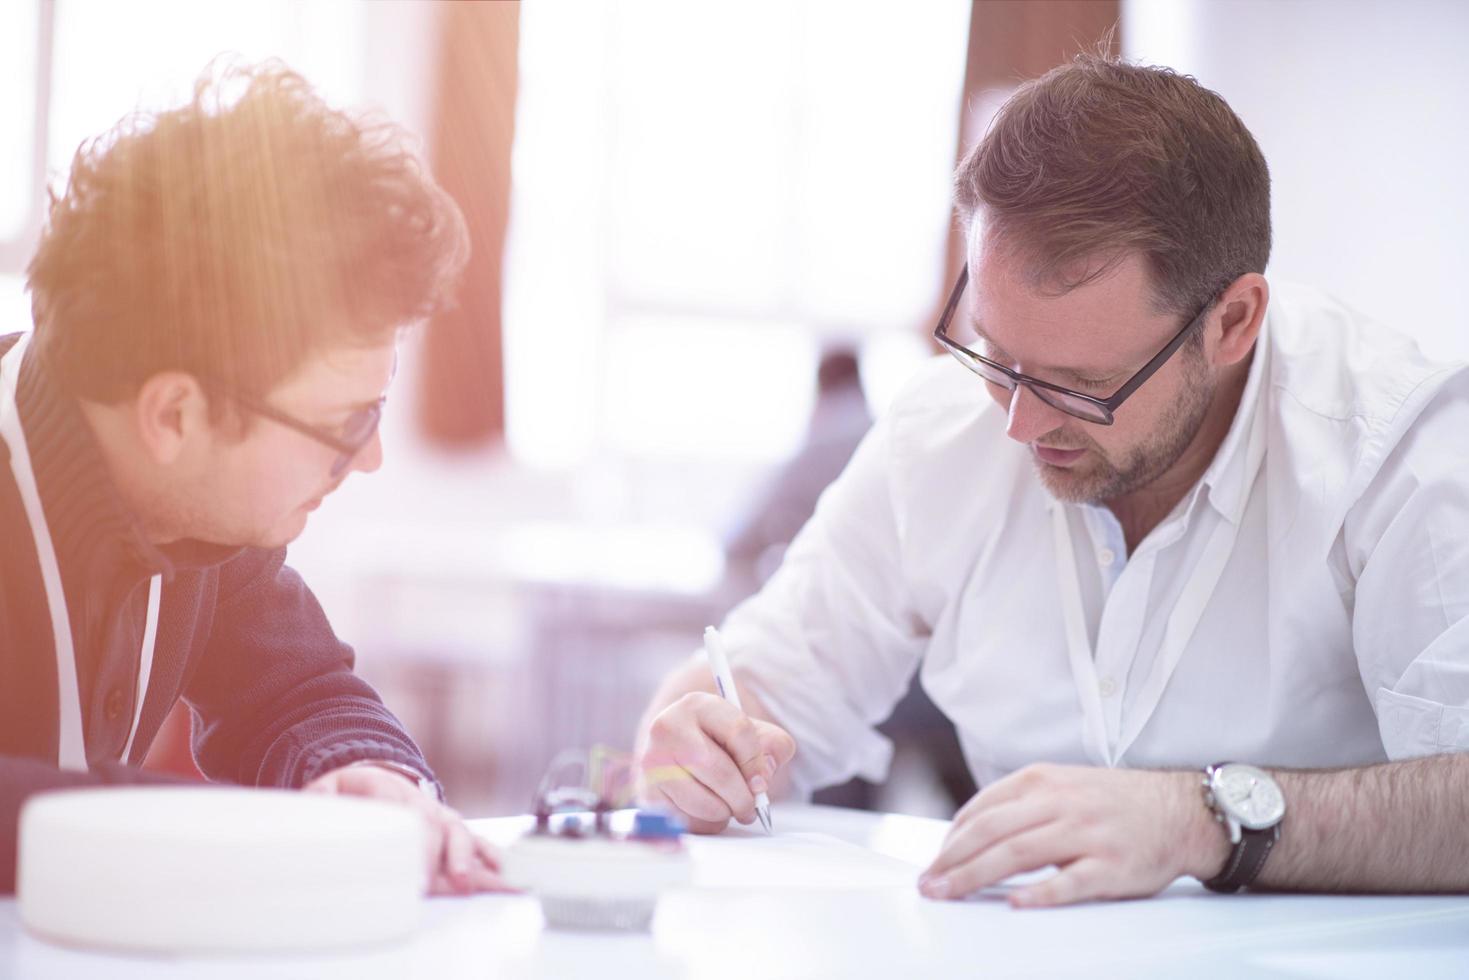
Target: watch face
column 1248, row 795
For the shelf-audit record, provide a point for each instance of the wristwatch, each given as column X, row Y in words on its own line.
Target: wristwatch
column 425, row 785
column 1250, row 805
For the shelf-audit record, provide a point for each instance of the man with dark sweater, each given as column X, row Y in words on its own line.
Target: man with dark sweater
column 217, row 299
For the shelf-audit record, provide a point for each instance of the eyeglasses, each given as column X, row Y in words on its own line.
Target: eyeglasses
column 1086, row 407
column 355, row 433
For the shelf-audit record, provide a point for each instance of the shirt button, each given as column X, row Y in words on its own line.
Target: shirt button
column 112, row 707
column 1106, row 556
column 1107, row 687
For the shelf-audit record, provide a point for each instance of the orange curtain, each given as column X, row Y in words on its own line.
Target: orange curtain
column 463, row 397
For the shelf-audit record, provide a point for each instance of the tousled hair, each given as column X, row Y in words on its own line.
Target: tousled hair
column 232, row 236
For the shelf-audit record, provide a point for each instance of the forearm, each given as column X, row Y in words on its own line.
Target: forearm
column 297, row 743
column 1396, row 827
column 274, row 695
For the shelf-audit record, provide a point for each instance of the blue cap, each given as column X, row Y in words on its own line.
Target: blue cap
column 656, row 825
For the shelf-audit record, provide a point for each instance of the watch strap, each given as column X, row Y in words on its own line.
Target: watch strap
column 1247, row 857
column 1245, row 860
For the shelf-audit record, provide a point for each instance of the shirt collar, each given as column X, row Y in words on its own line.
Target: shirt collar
column 1232, row 472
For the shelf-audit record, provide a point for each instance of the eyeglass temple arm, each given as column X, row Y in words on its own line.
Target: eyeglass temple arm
column 1148, row 369
column 942, row 329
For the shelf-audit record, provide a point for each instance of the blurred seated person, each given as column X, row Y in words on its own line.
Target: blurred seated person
column 839, row 420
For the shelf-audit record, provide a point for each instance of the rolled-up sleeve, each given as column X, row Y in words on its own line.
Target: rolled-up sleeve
column 1409, row 535
column 831, row 642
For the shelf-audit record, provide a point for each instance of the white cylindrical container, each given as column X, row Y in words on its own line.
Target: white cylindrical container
column 597, row 882
column 213, row 869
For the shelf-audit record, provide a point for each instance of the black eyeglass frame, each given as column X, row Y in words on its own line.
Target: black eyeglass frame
column 1107, row 406
column 346, row 448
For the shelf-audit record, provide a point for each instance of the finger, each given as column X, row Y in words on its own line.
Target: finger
column 735, row 732
column 653, row 791
column 1080, row 881
column 694, row 824
column 1024, row 782
column 433, row 847
column 1051, row 843
column 458, row 850
column 776, row 744
column 484, row 868
column 487, row 854
column 661, row 779
column 709, row 737
column 482, row 879
column 705, row 827
column 710, row 766
column 695, row 800
column 984, row 828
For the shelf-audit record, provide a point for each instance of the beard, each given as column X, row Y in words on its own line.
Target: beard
column 1106, row 479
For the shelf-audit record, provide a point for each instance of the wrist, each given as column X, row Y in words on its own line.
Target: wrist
column 425, row 785
column 1204, row 843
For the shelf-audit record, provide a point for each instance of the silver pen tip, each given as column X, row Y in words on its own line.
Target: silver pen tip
column 764, row 815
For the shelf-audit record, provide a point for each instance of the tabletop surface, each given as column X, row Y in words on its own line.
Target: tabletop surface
column 832, row 895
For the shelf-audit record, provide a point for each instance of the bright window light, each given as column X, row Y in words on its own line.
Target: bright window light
column 693, row 386
column 112, row 58
column 747, row 183
column 15, row 304
column 19, row 26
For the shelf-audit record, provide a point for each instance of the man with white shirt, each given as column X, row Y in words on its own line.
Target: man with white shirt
column 1192, row 583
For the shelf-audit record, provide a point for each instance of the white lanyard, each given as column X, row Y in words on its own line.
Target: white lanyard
column 1182, row 621
column 1078, row 646
column 71, row 750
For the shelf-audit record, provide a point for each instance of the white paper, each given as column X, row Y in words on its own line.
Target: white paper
column 741, row 859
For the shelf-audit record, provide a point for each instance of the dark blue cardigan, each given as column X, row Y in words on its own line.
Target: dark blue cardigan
column 241, row 640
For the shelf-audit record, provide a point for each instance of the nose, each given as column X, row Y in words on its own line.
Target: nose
column 1029, row 417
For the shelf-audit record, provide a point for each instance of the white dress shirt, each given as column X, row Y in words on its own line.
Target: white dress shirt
column 1306, row 604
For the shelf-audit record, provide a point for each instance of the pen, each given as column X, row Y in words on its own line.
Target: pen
column 724, row 680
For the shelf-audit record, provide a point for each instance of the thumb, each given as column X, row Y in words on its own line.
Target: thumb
column 777, row 743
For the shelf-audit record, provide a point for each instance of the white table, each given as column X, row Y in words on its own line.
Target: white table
column 878, row 930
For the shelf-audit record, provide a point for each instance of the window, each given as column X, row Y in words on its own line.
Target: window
column 20, row 24
column 108, row 59
column 111, row 58
column 705, row 194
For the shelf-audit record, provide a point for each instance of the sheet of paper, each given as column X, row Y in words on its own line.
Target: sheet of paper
column 741, row 859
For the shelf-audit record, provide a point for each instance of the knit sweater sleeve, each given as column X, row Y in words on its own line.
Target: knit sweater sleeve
column 274, row 698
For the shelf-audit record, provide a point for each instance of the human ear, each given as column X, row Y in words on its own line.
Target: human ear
column 1240, row 312
column 171, row 413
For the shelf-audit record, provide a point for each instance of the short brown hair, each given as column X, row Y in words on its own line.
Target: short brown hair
column 230, row 237
column 1098, row 159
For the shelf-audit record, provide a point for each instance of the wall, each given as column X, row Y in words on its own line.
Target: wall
column 1360, row 108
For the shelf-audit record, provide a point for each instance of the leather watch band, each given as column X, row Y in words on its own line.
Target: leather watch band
column 1245, row 860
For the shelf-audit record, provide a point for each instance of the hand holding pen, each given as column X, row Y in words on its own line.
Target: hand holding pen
column 724, row 680
column 704, row 757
